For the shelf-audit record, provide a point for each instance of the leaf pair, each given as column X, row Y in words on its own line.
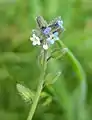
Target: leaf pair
column 28, row 95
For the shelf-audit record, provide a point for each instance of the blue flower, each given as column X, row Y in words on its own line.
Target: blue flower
column 47, row 30
column 55, row 35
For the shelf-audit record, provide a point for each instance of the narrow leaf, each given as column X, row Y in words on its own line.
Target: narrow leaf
column 58, row 53
column 51, row 79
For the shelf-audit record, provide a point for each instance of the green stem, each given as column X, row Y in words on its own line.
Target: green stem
column 78, row 68
column 39, row 89
column 82, row 79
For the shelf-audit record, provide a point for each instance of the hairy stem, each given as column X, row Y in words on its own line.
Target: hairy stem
column 39, row 89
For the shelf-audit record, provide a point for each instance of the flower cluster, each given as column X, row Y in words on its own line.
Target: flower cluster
column 46, row 34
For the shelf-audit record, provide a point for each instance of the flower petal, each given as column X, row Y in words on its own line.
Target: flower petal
column 55, row 33
column 34, row 36
column 47, row 30
column 56, row 38
column 45, row 46
column 48, row 39
column 38, row 43
column 60, row 22
column 37, row 38
column 34, row 43
column 51, row 41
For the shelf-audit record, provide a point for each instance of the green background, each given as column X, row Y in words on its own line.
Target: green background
column 18, row 58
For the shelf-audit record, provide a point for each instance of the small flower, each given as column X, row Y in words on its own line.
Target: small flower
column 60, row 23
column 50, row 40
column 47, row 30
column 35, row 40
column 45, row 46
column 56, row 36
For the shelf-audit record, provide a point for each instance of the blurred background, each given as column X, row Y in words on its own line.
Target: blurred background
column 18, row 58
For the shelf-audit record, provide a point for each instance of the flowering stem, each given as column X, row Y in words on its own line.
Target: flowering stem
column 39, row 89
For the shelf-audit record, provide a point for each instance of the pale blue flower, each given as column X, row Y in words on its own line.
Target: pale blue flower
column 56, row 36
column 50, row 40
column 60, row 23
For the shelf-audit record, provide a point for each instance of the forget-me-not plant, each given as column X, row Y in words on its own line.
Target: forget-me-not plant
column 45, row 36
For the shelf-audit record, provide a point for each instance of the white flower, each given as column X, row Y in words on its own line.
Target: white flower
column 45, row 46
column 35, row 40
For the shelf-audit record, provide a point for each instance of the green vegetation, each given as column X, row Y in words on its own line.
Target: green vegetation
column 70, row 97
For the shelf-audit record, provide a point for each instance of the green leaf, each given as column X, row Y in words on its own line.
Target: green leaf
column 44, row 94
column 58, row 53
column 25, row 93
column 51, row 79
column 46, row 97
column 47, row 101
